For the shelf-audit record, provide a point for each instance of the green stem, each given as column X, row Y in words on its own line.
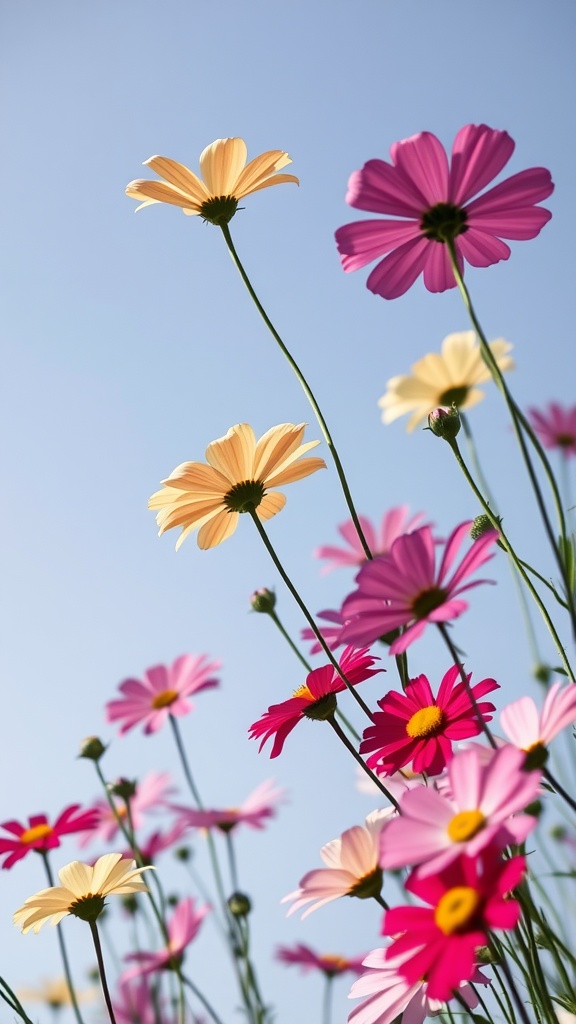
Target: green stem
column 305, row 386
column 514, row 991
column 10, row 997
column 63, row 952
column 202, row 998
column 101, row 971
column 371, row 775
column 559, row 789
column 232, row 860
column 290, row 641
column 327, row 1001
column 454, row 653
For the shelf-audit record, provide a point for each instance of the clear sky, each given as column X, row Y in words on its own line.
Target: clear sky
column 129, row 344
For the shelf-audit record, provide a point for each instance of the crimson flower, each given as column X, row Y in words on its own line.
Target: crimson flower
column 434, row 199
column 40, row 835
column 315, row 699
column 418, row 727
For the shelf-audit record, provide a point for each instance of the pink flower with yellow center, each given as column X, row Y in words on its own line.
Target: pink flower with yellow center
column 435, row 201
column 315, row 699
column 405, row 588
column 418, row 728
column 556, row 427
column 40, row 835
column 466, row 901
column 330, row 964
column 182, row 928
column 531, row 730
column 257, row 809
column 162, row 692
column 394, row 523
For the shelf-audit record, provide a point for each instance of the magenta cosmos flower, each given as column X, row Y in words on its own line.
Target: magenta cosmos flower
column 404, row 588
column 39, row 835
column 330, row 964
column 394, row 523
column 161, row 692
column 556, row 427
column 258, row 808
column 433, row 199
column 316, row 699
column 182, row 928
column 467, row 900
column 532, row 731
column 483, row 807
column 418, row 728
column 151, row 794
column 330, row 632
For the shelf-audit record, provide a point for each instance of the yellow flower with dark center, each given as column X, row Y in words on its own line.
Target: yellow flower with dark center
column 226, row 178
column 237, row 479
column 443, row 379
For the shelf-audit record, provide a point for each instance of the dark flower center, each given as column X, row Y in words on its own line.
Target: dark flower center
column 427, row 601
column 368, row 886
column 565, row 440
column 219, row 209
column 322, row 708
column 454, row 396
column 88, row 907
column 443, row 222
column 245, row 496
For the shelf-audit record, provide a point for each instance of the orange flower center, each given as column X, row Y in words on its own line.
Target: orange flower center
column 303, row 691
column 31, row 835
column 425, row 722
column 333, row 963
column 465, row 825
column 457, row 909
column 164, row 699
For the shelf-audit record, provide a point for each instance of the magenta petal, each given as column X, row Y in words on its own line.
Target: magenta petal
column 396, row 273
column 481, row 249
column 520, row 190
column 438, row 273
column 363, row 241
column 519, row 224
column 381, row 188
column 422, row 159
column 479, row 153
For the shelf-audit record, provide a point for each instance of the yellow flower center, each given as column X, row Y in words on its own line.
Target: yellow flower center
column 333, row 963
column 31, row 835
column 425, row 722
column 164, row 699
column 465, row 825
column 303, row 691
column 427, row 601
column 456, row 909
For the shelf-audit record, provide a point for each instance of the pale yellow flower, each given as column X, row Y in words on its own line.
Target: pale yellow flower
column 240, row 471
column 55, row 993
column 443, row 379
column 82, row 892
column 226, row 179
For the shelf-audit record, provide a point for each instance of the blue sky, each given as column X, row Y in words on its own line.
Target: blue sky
column 129, row 344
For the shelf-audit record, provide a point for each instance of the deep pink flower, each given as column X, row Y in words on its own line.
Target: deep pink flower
column 330, row 633
column 258, row 808
column 419, row 728
column 330, row 964
column 38, row 834
column 556, row 427
column 315, row 699
column 135, row 1003
column 151, row 794
column 528, row 729
column 481, row 809
column 161, row 692
column 394, row 523
column 434, row 200
column 182, row 928
column 467, row 900
column 404, row 587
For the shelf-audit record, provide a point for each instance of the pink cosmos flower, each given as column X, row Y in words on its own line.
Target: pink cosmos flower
column 556, row 427
column 159, row 841
column 39, row 835
column 330, row 633
column 352, row 867
column 389, row 995
column 433, row 199
column 151, row 794
column 433, row 829
column 404, row 587
column 530, row 730
column 316, row 699
column 329, row 964
column 162, row 692
column 394, row 523
column 467, row 900
column 182, row 928
column 134, row 1004
column 417, row 728
column 258, row 808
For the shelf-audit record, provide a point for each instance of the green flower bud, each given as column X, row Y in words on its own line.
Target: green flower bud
column 445, row 422
column 263, row 600
column 239, row 904
column 124, row 788
column 92, row 748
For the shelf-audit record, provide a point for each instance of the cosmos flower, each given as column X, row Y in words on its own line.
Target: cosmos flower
column 182, row 928
column 481, row 809
column 394, row 523
column 226, row 179
column 316, row 699
column 417, row 728
column 443, row 379
column 352, row 867
column 329, row 964
column 532, row 731
column 83, row 891
column 556, row 427
column 237, row 479
column 330, row 633
column 152, row 792
column 162, row 692
column 41, row 836
column 55, row 993
column 434, row 200
column 257, row 809
column 404, row 587
column 134, row 1003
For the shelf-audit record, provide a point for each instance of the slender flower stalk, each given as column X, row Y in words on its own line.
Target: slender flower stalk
column 466, row 682
column 371, row 775
column 304, row 384
column 10, row 997
column 102, row 971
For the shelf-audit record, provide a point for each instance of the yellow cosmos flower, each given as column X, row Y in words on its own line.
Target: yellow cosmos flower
column 239, row 473
column 443, row 379
column 55, row 993
column 226, row 179
column 82, row 892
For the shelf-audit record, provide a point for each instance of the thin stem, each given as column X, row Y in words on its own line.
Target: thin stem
column 232, row 860
column 454, row 653
column 101, row 971
column 63, row 952
column 559, row 789
column 514, row 991
column 10, row 997
column 290, row 641
column 480, row 999
column 202, row 998
column 305, row 386
column 371, row 775
column 309, row 618
column 327, row 1001
column 380, row 899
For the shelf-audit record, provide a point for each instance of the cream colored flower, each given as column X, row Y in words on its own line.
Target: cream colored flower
column 55, row 993
column 240, row 471
column 227, row 178
column 443, row 379
column 82, row 892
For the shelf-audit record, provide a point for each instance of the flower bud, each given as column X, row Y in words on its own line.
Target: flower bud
column 124, row 788
column 183, row 853
column 542, row 673
column 444, row 422
column 239, row 904
column 92, row 748
column 263, row 600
